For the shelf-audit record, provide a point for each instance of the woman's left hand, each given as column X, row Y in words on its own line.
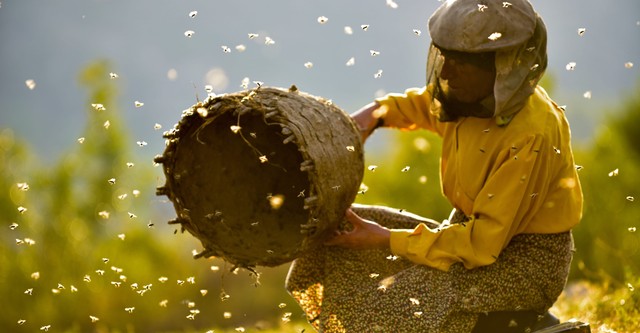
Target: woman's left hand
column 365, row 234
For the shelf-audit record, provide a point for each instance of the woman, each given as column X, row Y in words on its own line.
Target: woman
column 507, row 168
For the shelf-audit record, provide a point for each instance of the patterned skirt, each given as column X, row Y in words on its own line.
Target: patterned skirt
column 343, row 290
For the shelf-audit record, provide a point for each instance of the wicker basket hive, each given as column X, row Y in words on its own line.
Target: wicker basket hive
column 261, row 176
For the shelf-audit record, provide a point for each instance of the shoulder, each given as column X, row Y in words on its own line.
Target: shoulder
column 539, row 116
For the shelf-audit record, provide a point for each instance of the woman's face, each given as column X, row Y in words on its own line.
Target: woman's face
column 469, row 77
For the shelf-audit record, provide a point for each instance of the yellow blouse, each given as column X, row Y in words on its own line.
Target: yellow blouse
column 513, row 179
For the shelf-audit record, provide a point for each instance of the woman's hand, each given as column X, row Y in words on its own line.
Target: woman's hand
column 367, row 119
column 365, row 234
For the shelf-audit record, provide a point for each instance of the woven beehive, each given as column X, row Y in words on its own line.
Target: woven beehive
column 261, row 176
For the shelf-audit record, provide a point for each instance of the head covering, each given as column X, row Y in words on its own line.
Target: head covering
column 513, row 30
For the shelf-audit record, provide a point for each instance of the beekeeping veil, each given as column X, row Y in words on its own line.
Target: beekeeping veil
column 513, row 30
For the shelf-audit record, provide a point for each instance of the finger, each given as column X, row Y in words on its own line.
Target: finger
column 353, row 217
column 337, row 233
column 349, row 213
column 335, row 240
column 340, row 237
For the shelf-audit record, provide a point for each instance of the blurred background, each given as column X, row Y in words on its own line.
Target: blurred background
column 88, row 87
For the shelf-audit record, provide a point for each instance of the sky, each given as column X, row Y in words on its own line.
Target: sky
column 347, row 51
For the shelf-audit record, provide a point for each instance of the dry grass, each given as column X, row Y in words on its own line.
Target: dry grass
column 608, row 308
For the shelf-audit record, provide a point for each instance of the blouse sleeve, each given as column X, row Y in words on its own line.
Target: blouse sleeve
column 408, row 111
column 503, row 207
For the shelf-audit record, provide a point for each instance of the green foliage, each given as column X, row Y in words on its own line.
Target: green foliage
column 628, row 124
column 606, row 307
column 13, row 155
column 62, row 225
column 608, row 245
